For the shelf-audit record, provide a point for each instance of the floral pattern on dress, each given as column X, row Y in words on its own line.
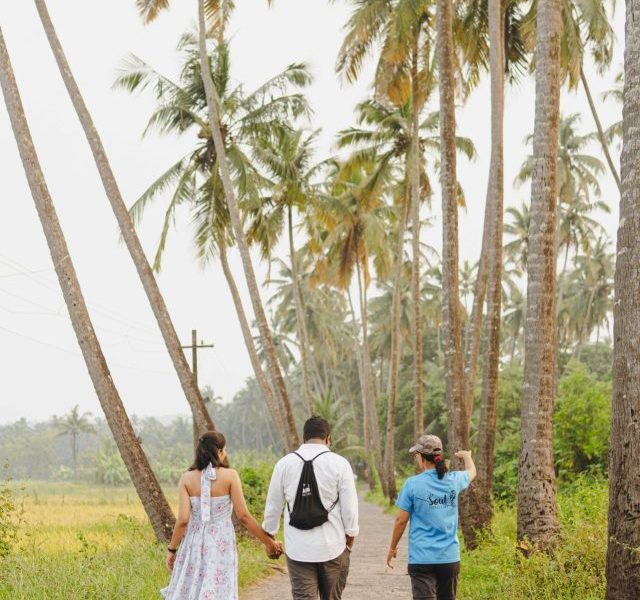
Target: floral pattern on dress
column 206, row 566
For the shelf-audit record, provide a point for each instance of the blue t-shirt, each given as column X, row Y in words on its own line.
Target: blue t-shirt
column 432, row 504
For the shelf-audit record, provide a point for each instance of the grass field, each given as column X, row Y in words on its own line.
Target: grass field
column 89, row 542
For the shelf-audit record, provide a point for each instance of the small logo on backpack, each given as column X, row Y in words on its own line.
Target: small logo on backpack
column 306, row 489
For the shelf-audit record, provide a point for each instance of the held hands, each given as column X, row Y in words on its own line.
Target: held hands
column 171, row 560
column 393, row 553
column 274, row 549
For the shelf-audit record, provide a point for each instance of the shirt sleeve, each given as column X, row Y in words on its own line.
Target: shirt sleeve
column 349, row 501
column 462, row 480
column 275, row 502
column 405, row 498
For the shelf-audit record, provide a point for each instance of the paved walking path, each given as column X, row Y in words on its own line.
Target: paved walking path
column 369, row 577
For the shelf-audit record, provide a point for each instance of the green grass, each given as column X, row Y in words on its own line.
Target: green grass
column 574, row 571
column 90, row 542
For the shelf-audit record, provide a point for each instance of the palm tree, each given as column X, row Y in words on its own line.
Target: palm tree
column 623, row 580
column 517, row 249
column 537, row 510
column 195, row 179
column 147, row 486
column 149, row 10
column 73, row 425
column 201, row 418
column 288, row 161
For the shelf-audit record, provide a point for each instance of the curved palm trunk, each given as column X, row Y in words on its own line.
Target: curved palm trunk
column 272, row 403
column 236, row 222
column 144, row 480
column 623, row 572
column 201, row 418
column 366, row 429
column 418, row 412
column 374, row 427
column 394, row 359
column 537, row 510
column 601, row 136
column 300, row 317
column 480, row 515
column 458, row 435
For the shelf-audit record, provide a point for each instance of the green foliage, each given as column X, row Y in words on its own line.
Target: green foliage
column 110, row 468
column 9, row 518
column 581, row 422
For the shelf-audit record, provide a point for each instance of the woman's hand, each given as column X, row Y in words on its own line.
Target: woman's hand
column 274, row 549
column 393, row 553
column 171, row 560
column 463, row 454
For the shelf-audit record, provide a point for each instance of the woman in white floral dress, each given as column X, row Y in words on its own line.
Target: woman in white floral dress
column 205, row 567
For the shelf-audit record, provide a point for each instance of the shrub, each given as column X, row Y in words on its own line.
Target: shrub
column 9, row 518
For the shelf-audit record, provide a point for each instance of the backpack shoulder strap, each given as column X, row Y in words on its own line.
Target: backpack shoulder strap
column 320, row 454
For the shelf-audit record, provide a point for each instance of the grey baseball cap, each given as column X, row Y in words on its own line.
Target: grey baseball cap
column 427, row 444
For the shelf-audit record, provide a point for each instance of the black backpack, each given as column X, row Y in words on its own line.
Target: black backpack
column 308, row 511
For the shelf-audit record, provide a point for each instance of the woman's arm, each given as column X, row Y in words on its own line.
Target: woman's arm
column 469, row 465
column 399, row 526
column 244, row 516
column 184, row 511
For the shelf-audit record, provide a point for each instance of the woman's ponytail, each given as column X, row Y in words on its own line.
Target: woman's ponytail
column 438, row 460
column 210, row 444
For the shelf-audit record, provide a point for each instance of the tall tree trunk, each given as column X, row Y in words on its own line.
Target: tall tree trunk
column 272, row 402
column 623, row 557
column 601, row 136
column 144, row 480
column 495, row 197
column 201, row 418
column 418, row 413
column 394, row 359
column 366, row 421
column 374, row 427
column 300, row 317
column 474, row 327
column 537, row 510
column 457, row 414
column 236, row 222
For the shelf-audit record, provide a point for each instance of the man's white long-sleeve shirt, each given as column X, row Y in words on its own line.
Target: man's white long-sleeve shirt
column 335, row 482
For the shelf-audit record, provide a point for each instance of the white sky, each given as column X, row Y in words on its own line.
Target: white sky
column 41, row 369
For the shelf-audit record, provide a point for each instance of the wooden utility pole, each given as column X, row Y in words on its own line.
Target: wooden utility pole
column 194, row 367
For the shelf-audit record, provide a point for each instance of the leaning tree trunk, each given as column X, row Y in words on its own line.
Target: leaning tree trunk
column 394, row 359
column 458, row 430
column 370, row 398
column 537, row 510
column 483, row 511
column 601, row 136
column 300, row 317
column 144, row 480
column 623, row 554
column 272, row 403
column 201, row 418
column 236, row 222
column 418, row 413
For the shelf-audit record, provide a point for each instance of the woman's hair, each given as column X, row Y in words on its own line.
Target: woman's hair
column 437, row 459
column 208, row 451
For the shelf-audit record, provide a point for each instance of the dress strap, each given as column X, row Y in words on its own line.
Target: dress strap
column 208, row 475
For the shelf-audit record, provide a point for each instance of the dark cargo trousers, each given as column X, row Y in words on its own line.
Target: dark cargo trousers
column 327, row 579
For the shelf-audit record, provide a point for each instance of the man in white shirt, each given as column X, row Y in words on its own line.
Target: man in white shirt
column 318, row 558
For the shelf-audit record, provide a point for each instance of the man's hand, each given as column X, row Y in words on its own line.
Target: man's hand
column 171, row 560
column 350, row 541
column 274, row 550
column 393, row 553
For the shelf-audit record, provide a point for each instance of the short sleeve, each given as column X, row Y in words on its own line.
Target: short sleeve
column 462, row 480
column 405, row 498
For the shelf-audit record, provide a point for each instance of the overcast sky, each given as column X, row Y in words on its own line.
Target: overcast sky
column 41, row 369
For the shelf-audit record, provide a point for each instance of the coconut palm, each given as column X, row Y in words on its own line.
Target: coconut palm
column 201, row 419
column 74, row 424
column 143, row 478
column 623, row 582
column 517, row 249
column 214, row 10
column 247, row 118
column 537, row 510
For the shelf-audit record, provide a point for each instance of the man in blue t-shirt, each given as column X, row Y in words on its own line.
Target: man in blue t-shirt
column 429, row 503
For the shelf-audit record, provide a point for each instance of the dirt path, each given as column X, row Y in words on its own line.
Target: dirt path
column 369, row 576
